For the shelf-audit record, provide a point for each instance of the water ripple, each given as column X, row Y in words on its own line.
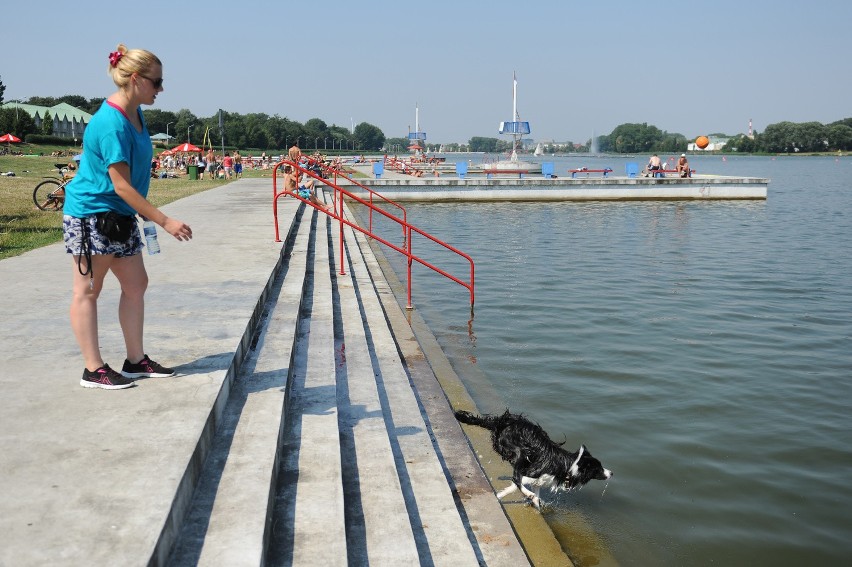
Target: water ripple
column 702, row 350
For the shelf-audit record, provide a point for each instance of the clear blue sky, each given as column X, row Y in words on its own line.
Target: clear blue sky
column 582, row 67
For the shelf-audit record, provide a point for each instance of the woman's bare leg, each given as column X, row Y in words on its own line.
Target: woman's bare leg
column 133, row 278
column 84, row 307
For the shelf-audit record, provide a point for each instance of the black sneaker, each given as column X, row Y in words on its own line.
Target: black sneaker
column 145, row 368
column 106, row 378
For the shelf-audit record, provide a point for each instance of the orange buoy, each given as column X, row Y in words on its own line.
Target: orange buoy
column 702, row 142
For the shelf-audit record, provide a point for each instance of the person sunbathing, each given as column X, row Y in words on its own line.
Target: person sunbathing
column 303, row 186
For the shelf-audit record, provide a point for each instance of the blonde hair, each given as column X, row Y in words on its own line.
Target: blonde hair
column 124, row 62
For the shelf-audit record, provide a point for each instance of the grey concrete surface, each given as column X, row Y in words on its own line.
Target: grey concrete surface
column 94, row 477
column 89, row 477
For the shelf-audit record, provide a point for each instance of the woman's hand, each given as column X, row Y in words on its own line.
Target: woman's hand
column 178, row 229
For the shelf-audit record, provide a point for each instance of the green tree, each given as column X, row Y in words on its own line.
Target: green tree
column 605, row 144
column 76, row 101
column 368, row 137
column 641, row 138
column 2, row 89
column 157, row 120
column 780, row 138
column 317, row 130
column 341, row 136
column 839, row 137
column 93, row 105
column 290, row 131
column 635, row 138
column 480, row 144
column 672, row 143
column 811, row 137
column 187, row 123
column 845, row 121
column 47, row 124
column 7, row 120
column 741, row 143
column 264, row 132
column 17, row 122
column 396, row 145
column 42, row 100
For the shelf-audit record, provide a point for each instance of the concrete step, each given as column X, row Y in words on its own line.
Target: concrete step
column 228, row 521
column 397, row 507
column 376, row 504
column 309, row 521
column 442, row 536
column 351, row 474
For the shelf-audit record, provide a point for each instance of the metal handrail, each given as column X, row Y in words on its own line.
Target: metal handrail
column 370, row 191
column 336, row 172
column 407, row 228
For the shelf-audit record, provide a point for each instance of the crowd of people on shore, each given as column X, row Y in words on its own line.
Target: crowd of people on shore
column 214, row 165
column 228, row 165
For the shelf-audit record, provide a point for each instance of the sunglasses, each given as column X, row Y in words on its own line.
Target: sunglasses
column 156, row 83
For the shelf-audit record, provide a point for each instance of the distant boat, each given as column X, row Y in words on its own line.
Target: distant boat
column 516, row 129
column 539, row 151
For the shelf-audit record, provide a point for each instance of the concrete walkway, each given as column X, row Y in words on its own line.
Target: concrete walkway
column 94, row 477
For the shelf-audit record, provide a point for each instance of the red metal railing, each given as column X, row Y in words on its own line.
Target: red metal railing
column 370, row 202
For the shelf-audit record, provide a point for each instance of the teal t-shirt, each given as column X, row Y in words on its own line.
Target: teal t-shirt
column 109, row 138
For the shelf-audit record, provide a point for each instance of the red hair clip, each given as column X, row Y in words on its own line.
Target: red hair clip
column 115, row 57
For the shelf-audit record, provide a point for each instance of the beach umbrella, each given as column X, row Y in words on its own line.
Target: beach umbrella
column 9, row 139
column 187, row 147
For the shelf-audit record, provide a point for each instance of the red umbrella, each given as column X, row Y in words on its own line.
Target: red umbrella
column 187, row 147
column 10, row 138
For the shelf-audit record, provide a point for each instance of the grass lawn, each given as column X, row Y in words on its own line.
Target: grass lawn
column 24, row 227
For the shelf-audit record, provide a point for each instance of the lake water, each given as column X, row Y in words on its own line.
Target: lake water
column 701, row 350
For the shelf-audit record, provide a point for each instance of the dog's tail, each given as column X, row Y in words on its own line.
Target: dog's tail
column 487, row 421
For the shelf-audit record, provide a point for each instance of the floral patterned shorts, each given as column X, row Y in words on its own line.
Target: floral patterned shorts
column 73, row 232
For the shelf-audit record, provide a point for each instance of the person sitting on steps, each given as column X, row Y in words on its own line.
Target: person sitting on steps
column 305, row 190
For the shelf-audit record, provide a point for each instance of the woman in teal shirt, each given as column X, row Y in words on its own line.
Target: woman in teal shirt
column 114, row 175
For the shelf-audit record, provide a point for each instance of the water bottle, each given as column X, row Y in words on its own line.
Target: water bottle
column 150, row 230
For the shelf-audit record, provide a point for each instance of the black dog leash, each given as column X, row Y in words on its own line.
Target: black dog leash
column 86, row 250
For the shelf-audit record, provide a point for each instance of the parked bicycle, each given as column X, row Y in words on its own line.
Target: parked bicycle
column 49, row 195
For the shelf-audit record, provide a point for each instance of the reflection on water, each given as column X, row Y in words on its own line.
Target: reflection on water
column 702, row 350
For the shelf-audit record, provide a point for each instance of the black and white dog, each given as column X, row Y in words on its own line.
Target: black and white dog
column 535, row 458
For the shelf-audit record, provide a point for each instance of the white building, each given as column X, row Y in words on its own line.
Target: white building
column 716, row 143
column 68, row 121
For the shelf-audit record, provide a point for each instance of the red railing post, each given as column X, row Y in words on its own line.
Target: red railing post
column 275, row 201
column 338, row 205
column 407, row 232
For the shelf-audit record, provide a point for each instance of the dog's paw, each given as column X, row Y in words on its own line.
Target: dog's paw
column 533, row 501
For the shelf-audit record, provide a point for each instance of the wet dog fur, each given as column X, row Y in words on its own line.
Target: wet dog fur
column 536, row 459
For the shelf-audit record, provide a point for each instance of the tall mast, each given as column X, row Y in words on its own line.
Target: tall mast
column 515, row 116
column 515, row 127
column 414, row 138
